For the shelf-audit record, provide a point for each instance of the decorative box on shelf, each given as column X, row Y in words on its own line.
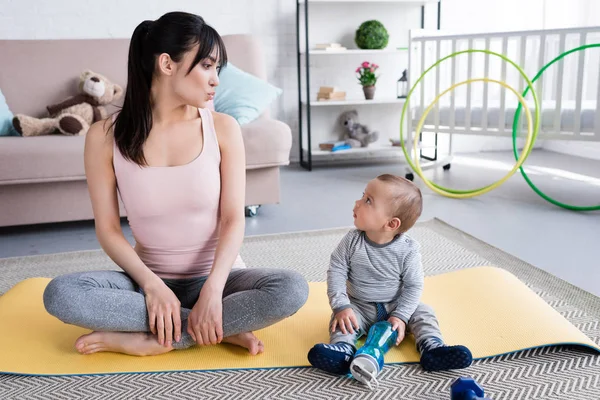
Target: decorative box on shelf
column 334, row 145
column 330, row 93
column 329, row 47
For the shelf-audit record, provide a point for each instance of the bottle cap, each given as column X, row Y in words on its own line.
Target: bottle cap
column 364, row 368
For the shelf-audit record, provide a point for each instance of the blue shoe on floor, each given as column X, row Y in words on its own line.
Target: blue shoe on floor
column 333, row 358
column 444, row 358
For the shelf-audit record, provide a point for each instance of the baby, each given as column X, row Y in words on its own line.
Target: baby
column 375, row 274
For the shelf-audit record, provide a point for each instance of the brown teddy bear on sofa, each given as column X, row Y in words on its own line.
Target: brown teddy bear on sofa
column 75, row 115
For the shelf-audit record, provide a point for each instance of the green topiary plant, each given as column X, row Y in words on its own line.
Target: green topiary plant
column 371, row 35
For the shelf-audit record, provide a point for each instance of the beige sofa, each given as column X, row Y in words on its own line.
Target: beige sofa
column 42, row 178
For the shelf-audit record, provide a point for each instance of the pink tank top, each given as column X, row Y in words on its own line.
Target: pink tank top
column 173, row 212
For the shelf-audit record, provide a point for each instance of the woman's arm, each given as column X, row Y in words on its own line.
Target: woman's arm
column 102, row 186
column 205, row 322
column 233, row 192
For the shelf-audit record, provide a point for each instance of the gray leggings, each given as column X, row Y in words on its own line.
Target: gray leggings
column 253, row 299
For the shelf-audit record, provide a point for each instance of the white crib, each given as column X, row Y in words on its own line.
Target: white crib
column 568, row 91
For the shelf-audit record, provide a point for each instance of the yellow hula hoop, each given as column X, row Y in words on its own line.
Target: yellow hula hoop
column 486, row 189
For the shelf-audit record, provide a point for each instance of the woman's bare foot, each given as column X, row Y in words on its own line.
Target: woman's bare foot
column 248, row 341
column 133, row 343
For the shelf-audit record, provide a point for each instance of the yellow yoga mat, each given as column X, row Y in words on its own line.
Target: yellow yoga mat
column 487, row 309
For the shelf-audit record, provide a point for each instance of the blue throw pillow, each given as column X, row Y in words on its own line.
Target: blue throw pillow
column 242, row 95
column 6, row 126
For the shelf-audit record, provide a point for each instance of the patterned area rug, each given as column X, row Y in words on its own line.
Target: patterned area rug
column 546, row 373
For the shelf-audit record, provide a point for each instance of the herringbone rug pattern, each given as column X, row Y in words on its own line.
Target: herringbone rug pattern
column 546, row 373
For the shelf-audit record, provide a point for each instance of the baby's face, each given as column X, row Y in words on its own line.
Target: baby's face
column 373, row 211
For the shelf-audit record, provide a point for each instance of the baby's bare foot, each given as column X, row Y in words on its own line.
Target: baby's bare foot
column 248, row 341
column 132, row 343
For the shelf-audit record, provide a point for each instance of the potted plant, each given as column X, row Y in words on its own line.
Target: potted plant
column 367, row 78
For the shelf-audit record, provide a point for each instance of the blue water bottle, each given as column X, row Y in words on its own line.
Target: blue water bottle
column 368, row 360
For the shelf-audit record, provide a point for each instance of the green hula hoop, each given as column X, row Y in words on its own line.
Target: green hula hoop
column 516, row 125
column 473, row 192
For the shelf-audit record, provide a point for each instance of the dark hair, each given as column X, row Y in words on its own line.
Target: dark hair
column 174, row 33
column 407, row 203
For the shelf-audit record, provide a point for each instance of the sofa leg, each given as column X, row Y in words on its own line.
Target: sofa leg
column 251, row 211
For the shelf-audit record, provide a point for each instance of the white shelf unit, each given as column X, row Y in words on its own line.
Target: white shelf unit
column 353, row 52
column 418, row 2
column 379, row 151
column 337, row 21
column 353, row 102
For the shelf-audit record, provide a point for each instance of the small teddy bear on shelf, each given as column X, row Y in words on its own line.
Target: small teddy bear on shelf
column 355, row 133
column 74, row 115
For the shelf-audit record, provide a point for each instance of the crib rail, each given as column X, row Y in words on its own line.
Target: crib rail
column 568, row 91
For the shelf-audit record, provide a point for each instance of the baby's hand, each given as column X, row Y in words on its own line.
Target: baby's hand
column 346, row 320
column 398, row 324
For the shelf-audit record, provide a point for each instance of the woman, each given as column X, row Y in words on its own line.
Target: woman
column 180, row 171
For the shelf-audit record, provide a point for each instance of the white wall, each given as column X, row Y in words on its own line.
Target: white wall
column 457, row 16
column 274, row 22
column 580, row 13
column 491, row 15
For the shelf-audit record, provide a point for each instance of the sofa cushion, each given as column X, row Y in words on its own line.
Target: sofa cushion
column 41, row 158
column 59, row 158
column 242, row 95
column 6, row 116
column 267, row 142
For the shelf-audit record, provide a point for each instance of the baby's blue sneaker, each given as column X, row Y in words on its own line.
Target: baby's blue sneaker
column 445, row 358
column 333, row 358
column 436, row 356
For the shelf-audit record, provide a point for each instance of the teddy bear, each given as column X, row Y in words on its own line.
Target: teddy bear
column 74, row 115
column 355, row 133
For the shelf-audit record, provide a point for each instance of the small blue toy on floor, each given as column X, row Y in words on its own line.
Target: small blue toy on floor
column 465, row 388
column 374, row 284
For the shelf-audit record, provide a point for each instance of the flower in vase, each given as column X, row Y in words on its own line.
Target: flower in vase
column 366, row 74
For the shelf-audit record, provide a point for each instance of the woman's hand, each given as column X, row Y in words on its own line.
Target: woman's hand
column 164, row 313
column 205, row 322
